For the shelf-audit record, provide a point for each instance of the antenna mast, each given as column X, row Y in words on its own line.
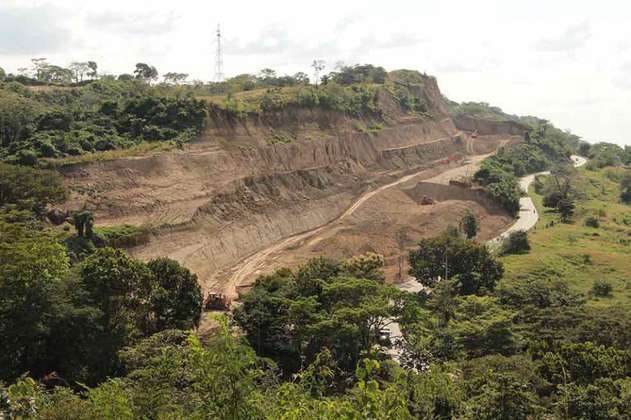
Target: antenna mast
column 219, row 58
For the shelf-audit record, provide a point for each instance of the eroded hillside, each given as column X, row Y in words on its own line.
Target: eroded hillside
column 257, row 178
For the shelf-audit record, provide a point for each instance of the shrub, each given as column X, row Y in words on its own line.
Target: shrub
column 592, row 221
column 516, row 243
column 602, row 288
column 27, row 157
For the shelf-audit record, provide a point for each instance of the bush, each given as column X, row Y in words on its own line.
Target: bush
column 27, row 157
column 602, row 288
column 516, row 243
column 592, row 221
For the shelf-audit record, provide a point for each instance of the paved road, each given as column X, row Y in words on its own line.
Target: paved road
column 526, row 219
column 528, row 214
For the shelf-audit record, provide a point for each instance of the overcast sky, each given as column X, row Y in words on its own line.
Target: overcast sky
column 567, row 61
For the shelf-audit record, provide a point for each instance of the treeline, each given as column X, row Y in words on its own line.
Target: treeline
column 103, row 115
column 314, row 346
column 544, row 146
column 606, row 154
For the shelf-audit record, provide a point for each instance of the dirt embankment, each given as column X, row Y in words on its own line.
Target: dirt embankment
column 489, row 127
column 250, row 183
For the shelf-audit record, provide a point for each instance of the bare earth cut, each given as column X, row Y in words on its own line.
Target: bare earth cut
column 236, row 204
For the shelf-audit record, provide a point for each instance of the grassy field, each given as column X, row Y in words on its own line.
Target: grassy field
column 575, row 253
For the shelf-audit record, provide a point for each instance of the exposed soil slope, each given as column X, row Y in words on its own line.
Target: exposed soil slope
column 239, row 191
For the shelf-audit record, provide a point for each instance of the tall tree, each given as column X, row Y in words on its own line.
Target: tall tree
column 174, row 78
column 31, row 274
column 93, row 73
column 79, row 70
column 176, row 301
column 469, row 224
column 318, row 66
column 146, row 72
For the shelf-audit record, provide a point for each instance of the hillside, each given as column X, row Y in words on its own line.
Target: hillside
column 261, row 173
column 577, row 254
column 349, row 220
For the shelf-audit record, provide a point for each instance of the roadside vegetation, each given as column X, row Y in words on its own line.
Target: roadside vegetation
column 544, row 147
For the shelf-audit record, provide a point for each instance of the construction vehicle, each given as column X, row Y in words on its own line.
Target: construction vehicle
column 217, row 302
column 426, row 201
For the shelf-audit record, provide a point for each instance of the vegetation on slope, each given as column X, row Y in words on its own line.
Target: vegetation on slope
column 56, row 113
column 577, row 253
column 544, row 146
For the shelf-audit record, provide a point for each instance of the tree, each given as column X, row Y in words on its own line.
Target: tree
column 293, row 318
column 602, row 288
column 121, row 289
column 318, row 66
column 3, row 74
column 79, row 70
column 40, row 66
column 502, row 388
column 267, row 76
column 84, row 223
column 30, row 189
column 566, row 208
column 17, row 118
column 93, row 66
column 469, row 224
column 146, row 72
column 300, row 77
column 174, row 78
column 447, row 257
column 31, row 283
column 442, row 301
column 516, row 242
column 366, row 266
column 177, row 301
column 625, row 187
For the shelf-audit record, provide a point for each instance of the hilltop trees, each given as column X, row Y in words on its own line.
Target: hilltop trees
column 146, row 72
column 174, row 78
column 318, row 66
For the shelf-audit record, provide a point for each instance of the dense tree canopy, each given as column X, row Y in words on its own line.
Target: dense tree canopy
column 445, row 257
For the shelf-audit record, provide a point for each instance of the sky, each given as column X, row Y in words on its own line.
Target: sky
column 566, row 61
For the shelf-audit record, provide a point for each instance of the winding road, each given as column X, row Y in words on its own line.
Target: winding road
column 526, row 220
column 528, row 214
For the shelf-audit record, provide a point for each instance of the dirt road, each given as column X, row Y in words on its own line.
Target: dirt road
column 255, row 263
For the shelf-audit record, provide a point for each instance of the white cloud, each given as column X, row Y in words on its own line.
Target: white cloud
column 33, row 30
column 574, row 36
column 563, row 60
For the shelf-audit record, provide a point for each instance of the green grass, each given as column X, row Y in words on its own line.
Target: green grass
column 137, row 150
column 575, row 253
